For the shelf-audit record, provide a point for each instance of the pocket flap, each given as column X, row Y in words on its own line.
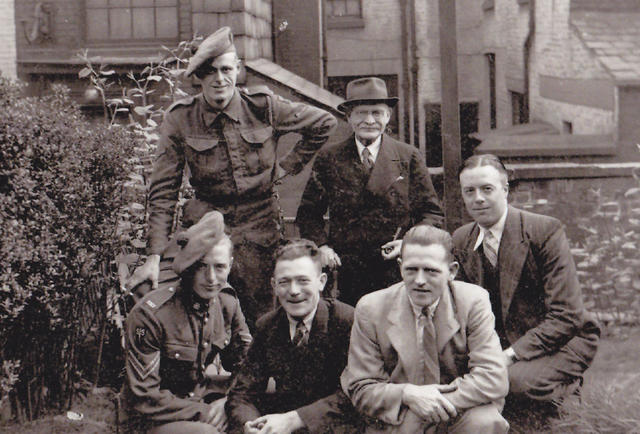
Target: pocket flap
column 259, row 135
column 202, row 144
column 182, row 352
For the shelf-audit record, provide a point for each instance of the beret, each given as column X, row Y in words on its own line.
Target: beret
column 198, row 240
column 219, row 42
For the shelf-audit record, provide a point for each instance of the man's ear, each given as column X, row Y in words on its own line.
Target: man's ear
column 273, row 283
column 230, row 261
column 323, row 280
column 453, row 270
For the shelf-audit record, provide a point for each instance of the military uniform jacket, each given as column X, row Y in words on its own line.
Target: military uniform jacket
column 366, row 210
column 231, row 157
column 171, row 337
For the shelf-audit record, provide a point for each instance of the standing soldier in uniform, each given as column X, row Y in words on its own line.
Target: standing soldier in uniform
column 228, row 137
column 175, row 336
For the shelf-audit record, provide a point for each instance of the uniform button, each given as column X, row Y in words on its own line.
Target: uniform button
column 206, row 344
column 206, row 320
column 226, row 341
column 177, row 355
column 191, row 394
column 171, row 289
column 202, row 366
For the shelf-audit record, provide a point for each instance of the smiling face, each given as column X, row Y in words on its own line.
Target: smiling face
column 212, row 271
column 219, row 78
column 369, row 121
column 484, row 191
column 426, row 272
column 298, row 283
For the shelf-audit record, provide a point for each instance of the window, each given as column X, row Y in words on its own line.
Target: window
column 344, row 14
column 433, row 123
column 131, row 19
column 518, row 111
column 491, row 63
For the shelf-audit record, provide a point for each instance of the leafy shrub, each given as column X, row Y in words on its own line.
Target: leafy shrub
column 61, row 198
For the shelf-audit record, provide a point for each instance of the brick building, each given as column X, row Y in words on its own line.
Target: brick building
column 7, row 39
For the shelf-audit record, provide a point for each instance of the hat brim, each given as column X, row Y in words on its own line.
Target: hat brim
column 391, row 102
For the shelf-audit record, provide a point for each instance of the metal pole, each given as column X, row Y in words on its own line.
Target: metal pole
column 451, row 153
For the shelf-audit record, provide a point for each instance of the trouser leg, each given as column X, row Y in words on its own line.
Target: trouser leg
column 184, row 427
column 481, row 419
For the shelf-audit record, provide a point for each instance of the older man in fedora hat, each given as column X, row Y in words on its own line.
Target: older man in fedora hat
column 181, row 339
column 374, row 187
column 227, row 137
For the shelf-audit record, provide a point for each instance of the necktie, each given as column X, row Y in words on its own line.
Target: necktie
column 367, row 160
column 489, row 248
column 301, row 335
column 430, row 346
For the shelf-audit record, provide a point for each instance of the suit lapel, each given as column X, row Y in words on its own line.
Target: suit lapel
column 319, row 326
column 444, row 319
column 512, row 254
column 386, row 169
column 402, row 334
column 350, row 166
column 470, row 260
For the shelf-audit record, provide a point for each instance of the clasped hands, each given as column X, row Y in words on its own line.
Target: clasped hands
column 428, row 403
column 278, row 423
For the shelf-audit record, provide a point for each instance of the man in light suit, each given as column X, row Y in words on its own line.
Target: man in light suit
column 424, row 355
column 374, row 187
column 523, row 260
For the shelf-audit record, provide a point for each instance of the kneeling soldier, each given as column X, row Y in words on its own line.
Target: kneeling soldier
column 179, row 340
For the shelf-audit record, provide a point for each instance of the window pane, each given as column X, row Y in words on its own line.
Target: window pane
column 353, row 7
column 97, row 24
column 120, row 23
column 143, row 23
column 166, row 22
column 338, row 8
column 96, row 3
column 119, row 3
column 197, row 5
column 137, row 3
column 165, row 2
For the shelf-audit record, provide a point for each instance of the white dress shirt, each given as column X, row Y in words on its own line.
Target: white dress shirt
column 496, row 230
column 373, row 148
column 307, row 321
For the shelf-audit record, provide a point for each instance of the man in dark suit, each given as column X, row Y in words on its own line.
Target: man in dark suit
column 374, row 187
column 302, row 348
column 523, row 260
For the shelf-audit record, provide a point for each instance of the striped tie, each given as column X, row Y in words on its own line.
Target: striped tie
column 430, row 354
column 301, row 335
column 489, row 249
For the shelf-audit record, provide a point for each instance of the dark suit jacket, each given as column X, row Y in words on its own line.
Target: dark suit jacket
column 541, row 297
column 365, row 211
column 307, row 379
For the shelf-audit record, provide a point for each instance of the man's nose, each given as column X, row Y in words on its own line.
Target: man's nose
column 478, row 196
column 369, row 118
column 218, row 75
column 421, row 278
column 294, row 289
column 211, row 274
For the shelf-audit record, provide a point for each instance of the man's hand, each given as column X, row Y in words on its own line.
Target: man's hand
column 281, row 423
column 391, row 250
column 147, row 271
column 217, row 416
column 329, row 258
column 428, row 403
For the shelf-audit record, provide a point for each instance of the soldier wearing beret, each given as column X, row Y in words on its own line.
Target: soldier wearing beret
column 183, row 341
column 227, row 137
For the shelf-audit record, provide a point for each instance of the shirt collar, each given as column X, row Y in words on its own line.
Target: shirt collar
column 307, row 321
column 374, row 148
column 232, row 110
column 496, row 230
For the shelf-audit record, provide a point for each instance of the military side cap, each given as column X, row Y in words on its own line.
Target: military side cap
column 216, row 44
column 198, row 240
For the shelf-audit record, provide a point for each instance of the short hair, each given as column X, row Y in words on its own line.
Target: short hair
column 484, row 160
column 426, row 235
column 294, row 248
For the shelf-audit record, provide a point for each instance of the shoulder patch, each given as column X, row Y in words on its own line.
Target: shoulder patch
column 156, row 298
column 182, row 102
column 256, row 90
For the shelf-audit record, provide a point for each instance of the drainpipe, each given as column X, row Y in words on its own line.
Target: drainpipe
column 405, row 133
column 325, row 58
column 528, row 46
column 414, row 78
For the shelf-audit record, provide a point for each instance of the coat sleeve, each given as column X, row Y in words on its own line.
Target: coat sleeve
column 312, row 123
column 142, row 362
column 364, row 380
column 487, row 379
column 315, row 202
column 425, row 205
column 164, row 185
column 248, row 386
column 562, row 297
column 233, row 355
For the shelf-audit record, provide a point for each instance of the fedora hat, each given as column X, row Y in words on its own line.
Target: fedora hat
column 368, row 90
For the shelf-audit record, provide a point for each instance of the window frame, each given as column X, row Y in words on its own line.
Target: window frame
column 344, row 21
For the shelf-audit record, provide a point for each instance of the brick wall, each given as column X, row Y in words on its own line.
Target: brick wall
column 8, row 39
column 559, row 52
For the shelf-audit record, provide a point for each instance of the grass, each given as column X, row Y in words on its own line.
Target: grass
column 609, row 403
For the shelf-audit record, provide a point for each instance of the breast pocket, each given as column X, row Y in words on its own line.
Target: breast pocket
column 205, row 156
column 179, row 367
column 260, row 149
